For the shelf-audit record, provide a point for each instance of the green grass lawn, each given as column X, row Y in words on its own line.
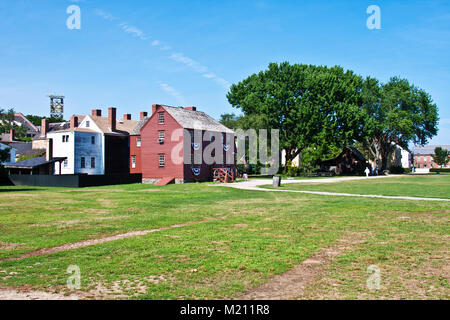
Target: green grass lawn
column 261, row 234
column 431, row 186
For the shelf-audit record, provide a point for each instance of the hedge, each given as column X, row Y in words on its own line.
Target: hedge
column 440, row 170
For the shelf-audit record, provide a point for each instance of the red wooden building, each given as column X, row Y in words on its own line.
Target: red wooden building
column 136, row 145
column 170, row 151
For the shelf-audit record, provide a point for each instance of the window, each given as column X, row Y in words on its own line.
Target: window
column 65, row 138
column 88, row 123
column 66, row 163
column 93, row 140
column 83, row 162
column 92, row 162
column 161, row 135
column 138, row 142
column 161, row 117
column 133, row 162
column 162, row 160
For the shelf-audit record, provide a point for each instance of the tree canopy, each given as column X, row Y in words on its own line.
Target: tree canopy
column 400, row 114
column 441, row 156
column 327, row 108
column 310, row 105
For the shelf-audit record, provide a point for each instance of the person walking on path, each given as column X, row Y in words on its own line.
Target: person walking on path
column 367, row 171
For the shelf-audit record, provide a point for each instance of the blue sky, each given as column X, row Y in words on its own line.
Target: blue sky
column 132, row 54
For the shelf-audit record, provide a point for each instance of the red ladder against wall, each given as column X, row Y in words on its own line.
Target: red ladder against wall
column 222, row 175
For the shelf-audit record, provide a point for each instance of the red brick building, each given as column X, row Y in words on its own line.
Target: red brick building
column 423, row 156
column 170, row 151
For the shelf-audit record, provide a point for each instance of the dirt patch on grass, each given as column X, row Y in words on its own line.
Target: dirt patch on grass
column 91, row 242
column 68, row 223
column 292, row 284
column 26, row 294
column 9, row 246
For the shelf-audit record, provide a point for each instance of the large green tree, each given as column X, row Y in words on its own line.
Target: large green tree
column 310, row 105
column 441, row 156
column 400, row 114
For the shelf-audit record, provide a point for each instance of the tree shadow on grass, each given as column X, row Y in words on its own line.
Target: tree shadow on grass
column 19, row 190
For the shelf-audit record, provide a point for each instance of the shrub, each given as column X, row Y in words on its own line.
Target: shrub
column 440, row 170
column 397, row 170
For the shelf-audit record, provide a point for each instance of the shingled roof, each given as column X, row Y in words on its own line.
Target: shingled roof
column 197, row 120
column 137, row 129
column 428, row 150
column 33, row 163
column 122, row 126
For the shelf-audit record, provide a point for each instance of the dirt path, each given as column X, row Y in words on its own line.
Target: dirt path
column 292, row 284
column 91, row 242
column 12, row 294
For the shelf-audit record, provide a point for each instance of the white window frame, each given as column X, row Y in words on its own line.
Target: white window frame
column 161, row 160
column 138, row 142
column 133, row 162
column 161, row 118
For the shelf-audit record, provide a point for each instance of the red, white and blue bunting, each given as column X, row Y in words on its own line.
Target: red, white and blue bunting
column 196, row 146
column 226, row 147
column 196, row 171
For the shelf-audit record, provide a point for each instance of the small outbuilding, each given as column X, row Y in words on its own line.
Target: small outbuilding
column 34, row 166
column 350, row 161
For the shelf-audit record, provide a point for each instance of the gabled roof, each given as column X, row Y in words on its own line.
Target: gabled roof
column 75, row 130
column 19, row 117
column 33, row 163
column 137, row 129
column 21, row 147
column 429, row 149
column 122, row 126
column 198, row 120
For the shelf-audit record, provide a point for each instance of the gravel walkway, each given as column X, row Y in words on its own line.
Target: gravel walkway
column 256, row 184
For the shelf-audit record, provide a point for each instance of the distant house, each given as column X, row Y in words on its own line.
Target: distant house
column 159, row 147
column 95, row 145
column 21, row 121
column 350, row 161
column 19, row 147
column 37, row 166
column 12, row 153
column 423, row 156
column 401, row 158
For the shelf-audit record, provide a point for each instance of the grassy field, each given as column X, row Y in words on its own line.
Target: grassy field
column 254, row 236
column 431, row 186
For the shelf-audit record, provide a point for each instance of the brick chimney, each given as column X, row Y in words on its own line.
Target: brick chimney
column 143, row 115
column 12, row 134
column 154, row 107
column 127, row 116
column 49, row 150
column 74, row 122
column 97, row 112
column 191, row 108
column 112, row 118
column 44, row 127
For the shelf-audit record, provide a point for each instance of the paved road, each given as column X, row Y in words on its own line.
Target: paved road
column 256, row 184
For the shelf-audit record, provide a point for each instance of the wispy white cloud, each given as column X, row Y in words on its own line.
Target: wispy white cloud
column 134, row 31
column 175, row 56
column 179, row 57
column 104, row 15
column 173, row 92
